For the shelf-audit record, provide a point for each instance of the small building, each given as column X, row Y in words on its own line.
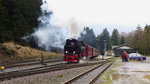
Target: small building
column 118, row 50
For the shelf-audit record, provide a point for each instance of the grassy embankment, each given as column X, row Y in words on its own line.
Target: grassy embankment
column 11, row 53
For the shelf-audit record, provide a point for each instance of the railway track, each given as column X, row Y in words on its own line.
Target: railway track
column 90, row 76
column 43, row 69
column 34, row 62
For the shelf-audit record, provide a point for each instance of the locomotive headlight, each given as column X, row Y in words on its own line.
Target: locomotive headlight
column 66, row 51
column 73, row 51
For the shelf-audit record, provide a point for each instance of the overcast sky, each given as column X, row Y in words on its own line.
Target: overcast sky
column 124, row 15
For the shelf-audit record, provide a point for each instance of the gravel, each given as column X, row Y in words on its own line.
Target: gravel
column 56, row 77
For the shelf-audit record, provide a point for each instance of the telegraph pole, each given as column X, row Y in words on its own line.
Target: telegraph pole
column 103, row 53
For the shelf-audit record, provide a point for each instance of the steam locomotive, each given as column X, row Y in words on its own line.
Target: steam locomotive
column 75, row 50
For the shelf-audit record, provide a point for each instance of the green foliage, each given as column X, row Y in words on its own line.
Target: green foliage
column 146, row 40
column 99, row 42
column 140, row 39
column 122, row 41
column 104, row 41
column 88, row 37
column 18, row 18
column 115, row 37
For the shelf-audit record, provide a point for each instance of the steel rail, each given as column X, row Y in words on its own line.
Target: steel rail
column 43, row 69
column 95, row 78
column 98, row 75
column 34, row 62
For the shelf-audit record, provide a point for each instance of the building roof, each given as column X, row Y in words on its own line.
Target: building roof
column 114, row 47
column 122, row 47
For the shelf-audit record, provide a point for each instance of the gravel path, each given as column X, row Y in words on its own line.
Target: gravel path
column 133, row 72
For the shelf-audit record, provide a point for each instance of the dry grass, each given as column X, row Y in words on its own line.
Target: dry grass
column 147, row 77
column 14, row 52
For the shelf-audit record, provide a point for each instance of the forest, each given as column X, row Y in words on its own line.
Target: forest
column 138, row 39
column 20, row 18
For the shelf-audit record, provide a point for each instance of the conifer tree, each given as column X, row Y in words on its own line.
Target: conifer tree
column 104, row 40
column 88, row 36
column 115, row 37
column 18, row 18
column 122, row 41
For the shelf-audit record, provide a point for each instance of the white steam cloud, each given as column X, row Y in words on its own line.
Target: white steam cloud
column 50, row 35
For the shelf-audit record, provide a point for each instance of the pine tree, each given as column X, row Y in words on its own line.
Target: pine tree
column 140, row 39
column 146, row 39
column 115, row 37
column 18, row 18
column 138, row 36
column 104, row 39
column 122, row 41
column 88, row 36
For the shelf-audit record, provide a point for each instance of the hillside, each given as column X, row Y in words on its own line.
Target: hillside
column 11, row 53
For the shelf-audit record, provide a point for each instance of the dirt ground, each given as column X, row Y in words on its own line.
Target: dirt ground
column 132, row 72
